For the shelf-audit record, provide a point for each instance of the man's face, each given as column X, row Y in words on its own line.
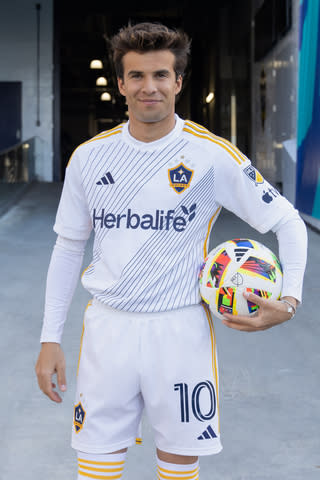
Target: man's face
column 150, row 85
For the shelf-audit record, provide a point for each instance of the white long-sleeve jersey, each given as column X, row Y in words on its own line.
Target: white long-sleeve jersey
column 153, row 206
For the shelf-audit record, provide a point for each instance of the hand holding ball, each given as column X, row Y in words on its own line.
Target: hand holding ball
column 237, row 266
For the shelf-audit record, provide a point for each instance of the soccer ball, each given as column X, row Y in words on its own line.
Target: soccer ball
column 236, row 266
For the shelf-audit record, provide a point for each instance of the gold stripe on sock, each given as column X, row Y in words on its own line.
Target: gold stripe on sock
column 99, row 477
column 178, row 473
column 93, row 462
column 188, row 477
column 175, row 478
column 95, row 469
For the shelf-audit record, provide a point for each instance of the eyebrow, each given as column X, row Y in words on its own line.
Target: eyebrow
column 134, row 72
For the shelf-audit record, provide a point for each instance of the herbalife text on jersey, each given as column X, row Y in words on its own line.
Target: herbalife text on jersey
column 160, row 220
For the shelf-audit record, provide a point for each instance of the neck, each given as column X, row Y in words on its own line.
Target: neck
column 149, row 132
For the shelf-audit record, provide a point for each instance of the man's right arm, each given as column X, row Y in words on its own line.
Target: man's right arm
column 62, row 278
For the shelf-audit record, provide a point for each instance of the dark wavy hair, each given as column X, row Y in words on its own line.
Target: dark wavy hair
column 147, row 36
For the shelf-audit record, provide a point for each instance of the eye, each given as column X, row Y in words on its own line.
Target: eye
column 135, row 75
column 162, row 74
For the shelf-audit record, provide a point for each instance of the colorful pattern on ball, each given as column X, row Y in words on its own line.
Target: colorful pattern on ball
column 259, row 267
column 276, row 262
column 236, row 266
column 252, row 307
column 226, row 300
column 218, row 269
column 243, row 242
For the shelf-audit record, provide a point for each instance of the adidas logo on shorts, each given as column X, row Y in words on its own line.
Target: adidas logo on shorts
column 207, row 434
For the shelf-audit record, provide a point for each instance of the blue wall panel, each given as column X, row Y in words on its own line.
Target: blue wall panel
column 308, row 161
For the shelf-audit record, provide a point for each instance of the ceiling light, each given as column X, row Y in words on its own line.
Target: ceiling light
column 101, row 82
column 96, row 64
column 105, row 97
column 210, row 97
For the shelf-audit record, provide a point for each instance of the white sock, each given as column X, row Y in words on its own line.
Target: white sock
column 173, row 471
column 105, row 466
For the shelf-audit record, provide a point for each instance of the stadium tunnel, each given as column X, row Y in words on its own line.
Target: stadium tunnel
column 241, row 83
column 216, row 90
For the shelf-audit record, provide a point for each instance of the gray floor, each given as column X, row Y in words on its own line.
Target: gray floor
column 270, row 381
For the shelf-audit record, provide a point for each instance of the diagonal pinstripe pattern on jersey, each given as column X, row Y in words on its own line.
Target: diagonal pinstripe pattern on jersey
column 141, row 166
column 132, row 266
column 191, row 250
column 158, row 241
column 120, row 163
column 168, row 277
column 207, row 178
column 181, row 282
column 187, row 286
column 94, row 160
column 120, row 201
column 134, row 282
column 119, row 152
column 99, row 166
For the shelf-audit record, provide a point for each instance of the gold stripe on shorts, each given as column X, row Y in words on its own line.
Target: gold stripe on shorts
column 214, row 356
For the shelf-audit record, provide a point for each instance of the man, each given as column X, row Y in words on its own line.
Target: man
column 152, row 189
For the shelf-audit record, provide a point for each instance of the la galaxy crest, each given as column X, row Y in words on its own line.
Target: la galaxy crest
column 253, row 174
column 79, row 416
column 180, row 177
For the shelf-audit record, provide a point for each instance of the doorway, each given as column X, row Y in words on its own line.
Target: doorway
column 10, row 118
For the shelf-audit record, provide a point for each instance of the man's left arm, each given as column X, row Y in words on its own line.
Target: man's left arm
column 292, row 238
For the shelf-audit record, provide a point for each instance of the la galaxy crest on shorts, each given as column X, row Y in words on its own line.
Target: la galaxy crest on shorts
column 79, row 417
column 180, row 177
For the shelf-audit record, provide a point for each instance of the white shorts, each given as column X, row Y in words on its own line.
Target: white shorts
column 164, row 362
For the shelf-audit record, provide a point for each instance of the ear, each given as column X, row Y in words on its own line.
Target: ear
column 178, row 84
column 121, row 86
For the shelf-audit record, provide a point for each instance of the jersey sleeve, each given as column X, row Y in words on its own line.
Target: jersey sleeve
column 73, row 218
column 62, row 278
column 240, row 188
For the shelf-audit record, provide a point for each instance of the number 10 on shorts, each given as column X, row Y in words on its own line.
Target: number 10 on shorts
column 202, row 394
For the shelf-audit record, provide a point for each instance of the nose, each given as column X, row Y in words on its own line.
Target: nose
column 149, row 85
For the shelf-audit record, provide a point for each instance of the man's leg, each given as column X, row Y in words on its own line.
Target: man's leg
column 173, row 458
column 106, row 414
column 177, row 466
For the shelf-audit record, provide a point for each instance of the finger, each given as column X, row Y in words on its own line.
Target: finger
column 241, row 319
column 256, row 299
column 243, row 322
column 51, row 393
column 54, row 396
column 239, row 326
column 61, row 377
column 48, row 388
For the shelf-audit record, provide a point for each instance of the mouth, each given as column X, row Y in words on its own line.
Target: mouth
column 149, row 101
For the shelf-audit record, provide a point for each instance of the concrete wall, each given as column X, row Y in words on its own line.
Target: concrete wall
column 18, row 62
column 280, row 66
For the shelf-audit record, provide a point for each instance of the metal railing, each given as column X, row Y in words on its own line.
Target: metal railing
column 17, row 163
